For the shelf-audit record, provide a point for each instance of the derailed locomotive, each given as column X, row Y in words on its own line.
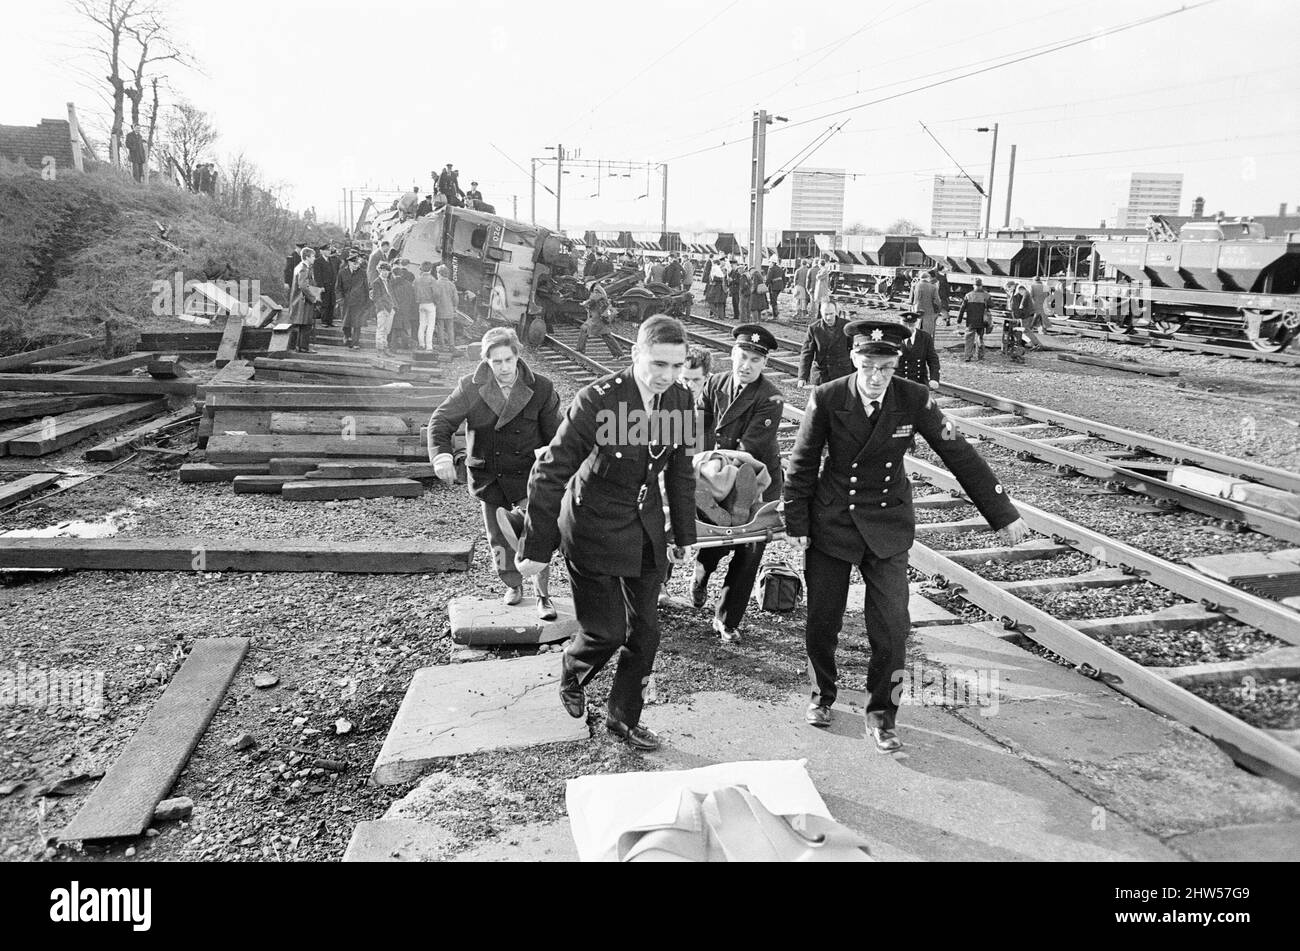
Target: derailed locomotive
column 508, row 273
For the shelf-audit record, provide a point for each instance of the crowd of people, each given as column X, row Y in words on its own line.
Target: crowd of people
column 414, row 307
column 447, row 191
column 552, row 480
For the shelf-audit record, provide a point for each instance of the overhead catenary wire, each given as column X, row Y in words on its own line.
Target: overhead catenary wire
column 978, row 187
column 830, row 135
column 1023, row 56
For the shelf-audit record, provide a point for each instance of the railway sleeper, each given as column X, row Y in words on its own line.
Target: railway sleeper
column 1032, row 550
column 1178, row 617
column 1096, row 578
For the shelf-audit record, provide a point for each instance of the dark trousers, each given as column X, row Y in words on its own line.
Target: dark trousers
column 772, row 295
column 884, row 610
column 304, row 337
column 616, row 616
column 735, row 304
column 615, row 350
column 738, row 585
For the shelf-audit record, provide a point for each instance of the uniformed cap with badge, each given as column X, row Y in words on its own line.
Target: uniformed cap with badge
column 755, row 338
column 876, row 337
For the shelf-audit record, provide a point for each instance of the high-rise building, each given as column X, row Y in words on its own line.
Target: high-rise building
column 1150, row 193
column 817, row 200
column 956, row 205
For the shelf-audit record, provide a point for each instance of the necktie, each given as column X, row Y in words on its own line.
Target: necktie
column 871, row 409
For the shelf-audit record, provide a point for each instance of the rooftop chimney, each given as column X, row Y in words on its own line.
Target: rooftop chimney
column 1281, row 210
column 1198, row 207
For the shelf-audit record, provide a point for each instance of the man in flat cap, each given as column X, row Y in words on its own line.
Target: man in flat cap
column 919, row 361
column 858, row 511
column 740, row 409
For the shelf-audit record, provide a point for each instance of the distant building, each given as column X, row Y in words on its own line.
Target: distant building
column 956, row 205
column 817, row 200
column 1150, row 193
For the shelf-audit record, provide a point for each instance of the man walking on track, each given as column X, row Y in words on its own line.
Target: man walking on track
column 857, row 511
column 594, row 494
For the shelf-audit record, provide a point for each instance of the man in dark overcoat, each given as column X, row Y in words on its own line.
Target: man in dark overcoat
column 825, row 353
column 594, row 495
column 857, row 511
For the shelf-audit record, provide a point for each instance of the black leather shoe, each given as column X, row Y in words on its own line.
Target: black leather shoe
column 573, row 698
column 887, row 741
column 637, row 737
column 818, row 715
column 699, row 588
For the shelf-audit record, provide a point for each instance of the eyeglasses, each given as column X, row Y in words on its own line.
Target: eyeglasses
column 880, row 371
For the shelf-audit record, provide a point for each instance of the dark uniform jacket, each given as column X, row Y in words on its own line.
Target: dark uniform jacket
column 291, row 262
column 861, row 499
column 501, row 434
column 583, row 496
column 747, row 420
column 825, row 354
column 919, row 361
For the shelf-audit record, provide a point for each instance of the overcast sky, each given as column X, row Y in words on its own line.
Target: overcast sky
column 325, row 95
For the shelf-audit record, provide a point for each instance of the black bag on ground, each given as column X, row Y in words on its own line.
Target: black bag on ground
column 779, row 587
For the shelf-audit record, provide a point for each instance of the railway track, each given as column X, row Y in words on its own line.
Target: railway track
column 1065, row 325
column 1117, row 582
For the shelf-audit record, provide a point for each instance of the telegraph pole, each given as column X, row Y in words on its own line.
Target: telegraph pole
column 663, row 210
column 559, row 183
column 993, row 160
column 758, row 182
column 1011, row 179
column 757, row 175
column 532, row 184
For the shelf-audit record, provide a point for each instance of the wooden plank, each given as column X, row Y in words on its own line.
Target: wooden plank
column 1097, row 578
column 65, row 434
column 229, row 347
column 46, row 353
column 240, row 394
column 1036, row 548
column 53, row 405
column 372, row 470
column 207, row 472
column 289, row 465
column 54, row 366
column 350, row 358
column 65, row 383
column 123, row 802
column 1244, row 566
column 227, row 448
column 281, row 337
column 359, row 424
column 116, row 365
column 965, row 525
column 271, row 484
column 319, row 490
column 119, row 446
column 19, row 489
column 397, row 400
column 182, row 553
column 343, row 368
column 1178, row 617
column 168, row 367
column 1128, row 367
column 45, row 424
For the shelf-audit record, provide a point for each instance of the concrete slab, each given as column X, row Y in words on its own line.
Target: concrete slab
column 534, row 842
column 399, row 840
column 469, row 708
column 1016, row 673
column 951, row 795
column 480, row 621
column 1265, row 842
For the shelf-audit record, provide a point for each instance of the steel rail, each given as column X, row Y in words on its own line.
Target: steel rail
column 1261, row 520
column 1248, row 745
column 1179, row 452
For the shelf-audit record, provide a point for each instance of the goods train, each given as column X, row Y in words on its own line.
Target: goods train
column 1214, row 278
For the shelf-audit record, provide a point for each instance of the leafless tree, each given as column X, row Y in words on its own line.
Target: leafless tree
column 904, row 226
column 859, row 228
column 131, row 38
column 187, row 138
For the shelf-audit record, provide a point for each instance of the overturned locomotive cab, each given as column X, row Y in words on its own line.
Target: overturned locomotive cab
column 507, row 273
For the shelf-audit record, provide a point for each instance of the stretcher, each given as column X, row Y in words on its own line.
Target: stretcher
column 767, row 525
